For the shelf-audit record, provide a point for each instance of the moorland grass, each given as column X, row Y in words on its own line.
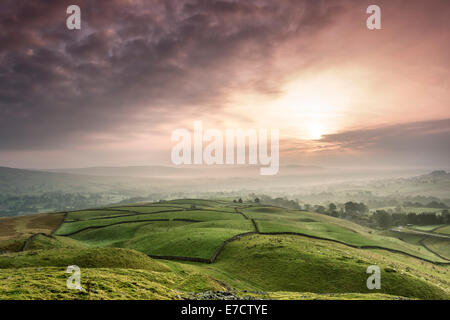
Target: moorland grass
column 49, row 283
column 25, row 226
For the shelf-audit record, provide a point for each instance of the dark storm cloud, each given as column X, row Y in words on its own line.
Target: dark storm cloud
column 133, row 57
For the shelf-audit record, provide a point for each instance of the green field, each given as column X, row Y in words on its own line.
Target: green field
column 322, row 257
column 443, row 230
column 198, row 215
column 273, row 220
column 437, row 246
column 429, row 228
column 441, row 247
column 406, row 210
column 172, row 238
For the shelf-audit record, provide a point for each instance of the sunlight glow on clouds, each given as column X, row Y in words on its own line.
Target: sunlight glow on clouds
column 113, row 93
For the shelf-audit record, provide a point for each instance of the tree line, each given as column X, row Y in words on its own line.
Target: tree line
column 386, row 220
column 358, row 212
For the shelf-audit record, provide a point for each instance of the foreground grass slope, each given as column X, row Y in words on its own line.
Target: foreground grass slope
column 84, row 258
column 104, row 283
column 263, row 273
column 48, row 283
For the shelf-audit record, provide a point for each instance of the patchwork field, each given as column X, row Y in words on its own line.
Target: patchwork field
column 204, row 245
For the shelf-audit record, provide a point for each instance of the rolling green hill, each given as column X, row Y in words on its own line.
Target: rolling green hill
column 216, row 245
column 290, row 263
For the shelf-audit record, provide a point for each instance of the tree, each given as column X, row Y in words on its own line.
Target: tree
column 362, row 208
column 240, row 200
column 445, row 216
column 383, row 219
column 320, row 209
column 351, row 208
column 332, row 210
column 332, row 207
column 412, row 218
column 256, row 200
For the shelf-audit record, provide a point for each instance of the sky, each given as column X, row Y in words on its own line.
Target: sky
column 112, row 93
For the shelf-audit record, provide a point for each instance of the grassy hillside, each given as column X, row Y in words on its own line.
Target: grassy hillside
column 290, row 263
column 441, row 247
column 104, row 283
column 273, row 220
column 172, row 238
column 437, row 246
column 48, row 283
column 325, row 257
column 197, row 215
column 443, row 230
column 172, row 228
column 14, row 231
column 46, row 242
column 84, row 258
column 25, row 226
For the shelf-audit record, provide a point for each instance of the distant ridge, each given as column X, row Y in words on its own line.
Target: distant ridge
column 184, row 171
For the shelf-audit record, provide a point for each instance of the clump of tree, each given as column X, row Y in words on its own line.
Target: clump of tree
column 279, row 202
column 432, row 204
column 355, row 209
column 428, row 218
column 320, row 209
column 330, row 211
column 385, row 219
